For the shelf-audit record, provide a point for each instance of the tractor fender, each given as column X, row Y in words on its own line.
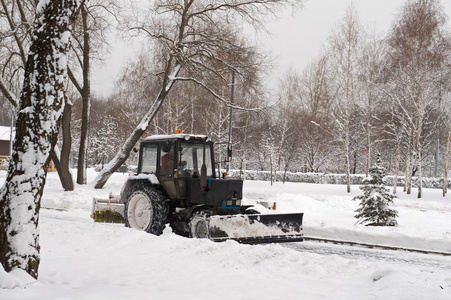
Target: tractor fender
column 149, row 179
column 185, row 214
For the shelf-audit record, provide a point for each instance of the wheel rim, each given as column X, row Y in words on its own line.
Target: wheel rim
column 201, row 229
column 139, row 211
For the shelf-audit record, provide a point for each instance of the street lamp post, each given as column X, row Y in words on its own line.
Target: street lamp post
column 229, row 142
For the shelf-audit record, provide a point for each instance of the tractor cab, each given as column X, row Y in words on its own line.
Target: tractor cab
column 176, row 156
column 178, row 160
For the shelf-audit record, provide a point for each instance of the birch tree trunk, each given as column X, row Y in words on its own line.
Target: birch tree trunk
column 368, row 143
column 446, row 166
column 40, row 108
column 283, row 134
column 348, row 175
column 399, row 136
column 409, row 168
column 419, row 164
column 271, row 168
column 346, row 43
column 398, row 156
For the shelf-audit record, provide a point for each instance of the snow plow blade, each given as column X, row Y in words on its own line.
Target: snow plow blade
column 257, row 228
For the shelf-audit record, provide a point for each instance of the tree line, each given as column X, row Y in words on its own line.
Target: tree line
column 364, row 93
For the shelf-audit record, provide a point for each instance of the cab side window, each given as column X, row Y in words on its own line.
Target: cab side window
column 149, row 159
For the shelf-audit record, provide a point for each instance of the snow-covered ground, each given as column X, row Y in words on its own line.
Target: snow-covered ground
column 81, row 259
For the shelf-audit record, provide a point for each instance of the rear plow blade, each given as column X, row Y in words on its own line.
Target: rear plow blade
column 256, row 228
column 107, row 210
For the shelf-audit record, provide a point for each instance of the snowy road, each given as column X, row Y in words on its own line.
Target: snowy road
column 358, row 253
column 350, row 252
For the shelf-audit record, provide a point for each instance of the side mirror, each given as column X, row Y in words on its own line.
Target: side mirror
column 229, row 154
column 135, row 150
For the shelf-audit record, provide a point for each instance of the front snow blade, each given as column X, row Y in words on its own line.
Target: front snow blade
column 256, row 228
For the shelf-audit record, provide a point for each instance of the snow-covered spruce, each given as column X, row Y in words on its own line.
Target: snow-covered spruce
column 374, row 203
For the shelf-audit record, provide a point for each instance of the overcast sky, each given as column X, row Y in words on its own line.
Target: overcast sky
column 296, row 39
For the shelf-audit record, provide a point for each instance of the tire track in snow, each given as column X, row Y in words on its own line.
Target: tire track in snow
column 393, row 256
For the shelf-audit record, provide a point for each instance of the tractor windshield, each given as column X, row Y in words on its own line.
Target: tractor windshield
column 191, row 159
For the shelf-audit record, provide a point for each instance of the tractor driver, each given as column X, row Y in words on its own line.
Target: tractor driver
column 167, row 162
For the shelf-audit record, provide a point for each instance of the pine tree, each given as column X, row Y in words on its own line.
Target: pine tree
column 374, row 203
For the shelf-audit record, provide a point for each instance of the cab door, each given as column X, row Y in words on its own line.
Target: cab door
column 167, row 164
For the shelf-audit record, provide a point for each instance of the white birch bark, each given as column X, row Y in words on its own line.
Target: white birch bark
column 446, row 166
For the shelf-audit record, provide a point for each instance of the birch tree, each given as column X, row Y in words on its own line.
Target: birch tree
column 345, row 54
column 316, row 104
column 41, row 105
column 416, row 53
column 446, row 165
column 371, row 68
column 194, row 39
column 284, row 120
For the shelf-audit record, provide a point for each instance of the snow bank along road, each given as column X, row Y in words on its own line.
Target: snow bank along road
column 81, row 259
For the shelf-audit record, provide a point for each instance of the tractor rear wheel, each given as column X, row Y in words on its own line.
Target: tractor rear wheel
column 146, row 209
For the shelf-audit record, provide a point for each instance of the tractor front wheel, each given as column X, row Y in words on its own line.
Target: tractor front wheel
column 199, row 224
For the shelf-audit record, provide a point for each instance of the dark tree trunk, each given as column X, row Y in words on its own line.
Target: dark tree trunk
column 86, row 98
column 62, row 161
column 66, row 179
column 40, row 108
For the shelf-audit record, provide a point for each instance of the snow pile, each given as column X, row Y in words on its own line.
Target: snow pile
column 10, row 281
column 81, row 259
